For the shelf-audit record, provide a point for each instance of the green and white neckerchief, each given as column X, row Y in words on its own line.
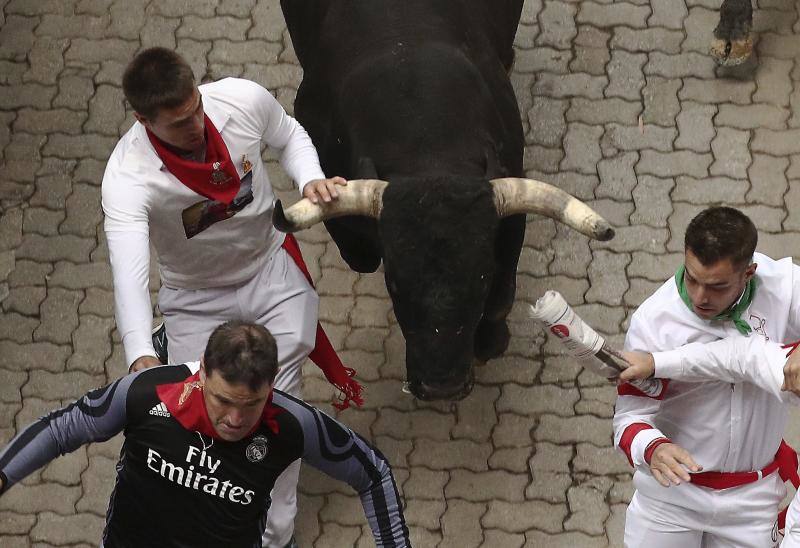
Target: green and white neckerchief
column 733, row 313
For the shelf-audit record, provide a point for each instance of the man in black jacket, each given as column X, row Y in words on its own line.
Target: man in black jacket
column 204, row 443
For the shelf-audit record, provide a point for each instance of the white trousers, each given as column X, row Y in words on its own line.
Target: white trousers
column 792, row 532
column 740, row 517
column 280, row 298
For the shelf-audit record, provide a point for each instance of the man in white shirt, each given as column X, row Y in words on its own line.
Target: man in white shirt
column 188, row 178
column 724, row 289
column 735, row 360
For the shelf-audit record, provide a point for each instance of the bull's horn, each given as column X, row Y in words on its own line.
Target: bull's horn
column 513, row 195
column 358, row 197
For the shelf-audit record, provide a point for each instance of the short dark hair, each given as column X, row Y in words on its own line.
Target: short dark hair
column 722, row 233
column 243, row 353
column 157, row 78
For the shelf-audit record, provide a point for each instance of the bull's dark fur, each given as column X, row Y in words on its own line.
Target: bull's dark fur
column 735, row 20
column 416, row 92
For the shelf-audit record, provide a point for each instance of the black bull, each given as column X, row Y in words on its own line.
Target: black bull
column 416, row 93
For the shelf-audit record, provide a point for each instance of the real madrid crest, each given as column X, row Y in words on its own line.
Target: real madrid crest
column 257, row 449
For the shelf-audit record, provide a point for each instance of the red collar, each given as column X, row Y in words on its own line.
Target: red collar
column 186, row 404
column 216, row 178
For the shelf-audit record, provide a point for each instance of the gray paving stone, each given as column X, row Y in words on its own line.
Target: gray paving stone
column 603, row 111
column 67, row 469
column 473, row 421
column 46, row 59
column 710, row 190
column 96, row 51
column 424, row 484
column 487, row 486
column 661, row 105
column 11, row 72
column 588, row 508
column 699, row 26
column 582, row 428
column 268, row 21
column 16, row 524
column 530, row 401
column 451, row 454
column 773, row 81
column 29, row 272
column 682, row 213
column 779, row 46
column 570, row 85
column 106, row 110
column 47, row 497
column 42, row 221
column 625, row 75
column 49, row 121
column 680, row 65
column 24, row 7
column 768, row 182
column 777, row 143
column 92, row 344
column 16, row 327
column 672, row 164
column 68, row 529
column 607, row 278
column 127, row 18
column 542, row 159
column 669, row 13
column 159, row 31
column 520, row 518
column 424, row 424
column 792, row 198
column 58, row 316
column 84, row 212
column 72, row 26
column 581, row 144
column 731, row 154
column 546, row 120
column 237, row 8
column 779, row 245
column 557, row 23
column 572, row 255
column 738, row 92
column 607, row 15
column 635, row 138
column 512, row 460
column 461, row 524
column 564, row 540
column 617, row 176
column 196, row 54
column 79, row 146
column 591, row 51
column 16, row 37
column 213, row 28
column 655, row 268
column 647, row 40
column 55, row 248
column 652, row 199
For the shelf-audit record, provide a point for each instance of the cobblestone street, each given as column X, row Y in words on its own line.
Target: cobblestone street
column 622, row 107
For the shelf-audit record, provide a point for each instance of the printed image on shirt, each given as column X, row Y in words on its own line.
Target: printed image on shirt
column 200, row 216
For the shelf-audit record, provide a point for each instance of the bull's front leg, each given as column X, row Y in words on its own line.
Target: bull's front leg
column 733, row 43
column 492, row 336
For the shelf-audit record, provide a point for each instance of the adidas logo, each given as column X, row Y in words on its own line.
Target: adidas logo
column 160, row 410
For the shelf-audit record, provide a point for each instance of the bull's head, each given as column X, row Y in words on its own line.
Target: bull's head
column 439, row 258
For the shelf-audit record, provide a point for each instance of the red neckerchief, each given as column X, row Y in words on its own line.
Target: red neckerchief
column 216, row 178
column 323, row 354
column 185, row 403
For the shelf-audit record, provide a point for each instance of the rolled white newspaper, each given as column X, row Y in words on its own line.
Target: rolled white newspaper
column 584, row 343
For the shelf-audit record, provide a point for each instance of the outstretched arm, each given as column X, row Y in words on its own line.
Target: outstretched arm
column 336, row 450
column 737, row 359
column 97, row 416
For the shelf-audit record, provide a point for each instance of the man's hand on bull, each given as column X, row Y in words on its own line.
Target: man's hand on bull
column 144, row 362
column 324, row 189
column 670, row 464
column 642, row 366
column 791, row 373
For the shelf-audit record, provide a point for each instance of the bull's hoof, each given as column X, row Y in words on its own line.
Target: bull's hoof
column 731, row 53
column 491, row 340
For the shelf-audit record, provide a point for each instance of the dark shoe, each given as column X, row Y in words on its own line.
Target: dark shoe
column 160, row 343
column 292, row 543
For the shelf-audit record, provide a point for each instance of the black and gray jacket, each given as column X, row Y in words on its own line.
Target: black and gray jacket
column 179, row 488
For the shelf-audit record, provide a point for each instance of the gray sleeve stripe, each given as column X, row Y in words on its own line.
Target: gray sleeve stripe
column 21, row 441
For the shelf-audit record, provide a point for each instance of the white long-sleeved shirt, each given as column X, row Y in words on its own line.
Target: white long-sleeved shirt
column 726, row 427
column 735, row 360
column 143, row 203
